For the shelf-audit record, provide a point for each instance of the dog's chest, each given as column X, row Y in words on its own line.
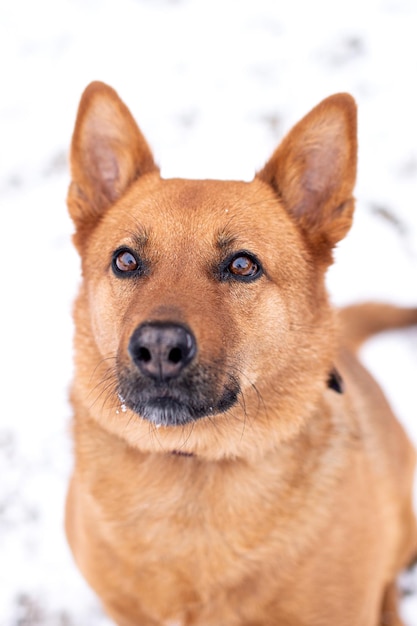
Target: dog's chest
column 187, row 514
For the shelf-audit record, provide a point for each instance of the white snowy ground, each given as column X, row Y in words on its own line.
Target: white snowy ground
column 214, row 85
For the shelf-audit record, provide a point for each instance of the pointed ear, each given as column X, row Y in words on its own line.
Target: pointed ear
column 313, row 171
column 108, row 152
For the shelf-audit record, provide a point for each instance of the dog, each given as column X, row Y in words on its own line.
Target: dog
column 235, row 465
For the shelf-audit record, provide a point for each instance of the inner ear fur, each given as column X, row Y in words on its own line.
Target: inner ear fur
column 313, row 171
column 108, row 152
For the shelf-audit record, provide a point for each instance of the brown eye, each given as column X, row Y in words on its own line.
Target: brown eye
column 125, row 262
column 242, row 266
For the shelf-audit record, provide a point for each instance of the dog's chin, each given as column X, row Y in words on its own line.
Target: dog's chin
column 171, row 411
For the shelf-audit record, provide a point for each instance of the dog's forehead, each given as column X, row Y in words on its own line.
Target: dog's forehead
column 185, row 196
column 207, row 209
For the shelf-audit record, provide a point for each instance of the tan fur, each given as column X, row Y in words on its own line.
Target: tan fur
column 292, row 506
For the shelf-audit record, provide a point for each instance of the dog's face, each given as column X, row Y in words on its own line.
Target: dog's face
column 198, row 290
column 202, row 322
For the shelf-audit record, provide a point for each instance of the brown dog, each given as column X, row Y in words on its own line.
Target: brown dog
column 235, row 464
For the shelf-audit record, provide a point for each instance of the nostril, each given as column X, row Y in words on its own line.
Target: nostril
column 175, row 355
column 144, row 355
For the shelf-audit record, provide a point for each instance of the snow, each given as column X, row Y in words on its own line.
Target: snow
column 214, row 85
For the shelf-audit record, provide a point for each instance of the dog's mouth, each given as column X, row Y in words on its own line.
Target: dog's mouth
column 169, row 404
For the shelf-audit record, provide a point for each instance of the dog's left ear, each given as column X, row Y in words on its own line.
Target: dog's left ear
column 313, row 171
column 108, row 152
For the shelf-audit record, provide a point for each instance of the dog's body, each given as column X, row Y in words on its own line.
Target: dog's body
column 235, row 464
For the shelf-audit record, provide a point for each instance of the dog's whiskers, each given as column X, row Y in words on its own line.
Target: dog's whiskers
column 106, row 390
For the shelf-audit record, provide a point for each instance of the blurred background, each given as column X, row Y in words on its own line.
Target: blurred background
column 214, row 86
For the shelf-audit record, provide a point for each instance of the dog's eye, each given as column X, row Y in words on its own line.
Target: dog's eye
column 242, row 266
column 125, row 262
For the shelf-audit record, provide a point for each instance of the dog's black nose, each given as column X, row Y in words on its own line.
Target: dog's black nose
column 161, row 350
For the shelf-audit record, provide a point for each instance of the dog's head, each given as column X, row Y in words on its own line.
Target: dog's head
column 202, row 321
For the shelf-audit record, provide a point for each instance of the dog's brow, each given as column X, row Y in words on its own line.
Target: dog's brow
column 140, row 239
column 225, row 240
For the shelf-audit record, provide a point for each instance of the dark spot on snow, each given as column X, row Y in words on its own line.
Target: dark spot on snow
column 57, row 164
column 187, row 119
column 28, row 611
column 389, row 216
column 344, row 50
column 273, row 121
column 408, row 168
column 14, row 181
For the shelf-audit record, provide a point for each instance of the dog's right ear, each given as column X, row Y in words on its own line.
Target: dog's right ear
column 108, row 152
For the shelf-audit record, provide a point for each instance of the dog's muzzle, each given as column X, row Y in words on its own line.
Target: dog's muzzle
column 164, row 382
